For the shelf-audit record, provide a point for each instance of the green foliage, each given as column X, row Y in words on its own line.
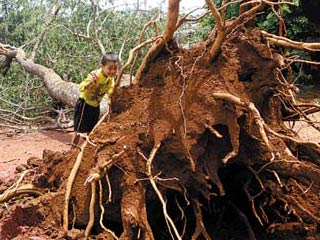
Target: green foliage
column 63, row 49
column 298, row 28
column 296, row 24
column 18, row 23
column 207, row 23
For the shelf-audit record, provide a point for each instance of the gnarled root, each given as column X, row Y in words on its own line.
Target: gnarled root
column 16, row 189
column 91, row 209
column 133, row 211
column 234, row 131
column 200, row 228
column 102, row 209
column 70, row 181
column 24, row 189
column 169, row 221
column 249, row 106
column 212, row 171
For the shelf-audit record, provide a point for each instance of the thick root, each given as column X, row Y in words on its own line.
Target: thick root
column 24, row 189
column 200, row 228
column 70, row 181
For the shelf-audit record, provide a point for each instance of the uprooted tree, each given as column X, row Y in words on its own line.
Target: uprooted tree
column 196, row 147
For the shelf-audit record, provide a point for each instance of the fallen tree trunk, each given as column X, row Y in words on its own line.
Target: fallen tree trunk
column 61, row 90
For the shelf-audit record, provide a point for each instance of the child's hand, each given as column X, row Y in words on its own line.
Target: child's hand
column 94, row 78
column 93, row 81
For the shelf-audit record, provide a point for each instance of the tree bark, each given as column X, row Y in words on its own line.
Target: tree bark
column 173, row 14
column 59, row 89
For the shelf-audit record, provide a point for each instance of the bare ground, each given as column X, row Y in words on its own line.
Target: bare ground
column 17, row 148
column 305, row 131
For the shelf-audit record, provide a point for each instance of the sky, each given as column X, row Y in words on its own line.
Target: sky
column 184, row 4
column 187, row 4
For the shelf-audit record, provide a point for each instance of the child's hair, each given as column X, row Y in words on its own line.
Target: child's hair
column 109, row 57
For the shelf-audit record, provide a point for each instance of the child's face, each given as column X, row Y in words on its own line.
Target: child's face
column 110, row 68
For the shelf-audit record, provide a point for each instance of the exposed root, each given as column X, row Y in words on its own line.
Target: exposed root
column 16, row 184
column 24, row 189
column 171, row 23
column 131, row 54
column 251, row 108
column 226, row 27
column 88, row 139
column 153, row 22
column 276, row 161
column 69, row 184
column 234, row 131
column 306, row 109
column 186, row 19
column 285, row 42
column 311, row 144
column 200, row 228
column 278, row 178
column 183, row 217
column 233, row 126
column 75, row 169
column 109, row 188
column 16, row 189
column 220, row 31
column 255, row 212
column 213, row 131
column 302, row 190
column 92, row 178
column 101, row 170
column 74, row 216
column 91, row 209
column 154, row 185
column 192, row 161
column 102, row 212
column 183, row 75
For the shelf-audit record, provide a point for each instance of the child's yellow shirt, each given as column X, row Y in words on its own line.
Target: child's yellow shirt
column 93, row 93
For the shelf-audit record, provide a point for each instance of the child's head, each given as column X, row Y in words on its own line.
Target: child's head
column 109, row 64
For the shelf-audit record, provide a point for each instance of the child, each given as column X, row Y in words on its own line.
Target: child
column 92, row 90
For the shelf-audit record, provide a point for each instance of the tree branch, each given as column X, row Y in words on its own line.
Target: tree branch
column 131, row 53
column 95, row 29
column 173, row 14
column 221, row 34
column 153, row 22
column 54, row 14
column 285, row 42
column 186, row 19
column 60, row 90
